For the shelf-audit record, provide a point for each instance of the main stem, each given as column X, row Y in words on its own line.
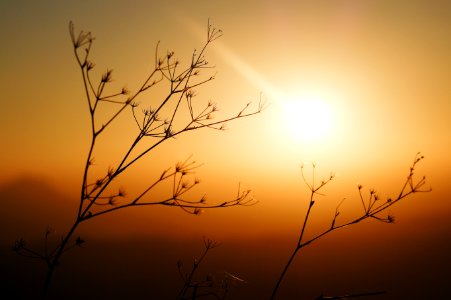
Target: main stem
column 53, row 263
column 298, row 246
column 279, row 281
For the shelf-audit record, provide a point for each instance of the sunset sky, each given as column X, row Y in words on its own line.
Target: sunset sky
column 357, row 87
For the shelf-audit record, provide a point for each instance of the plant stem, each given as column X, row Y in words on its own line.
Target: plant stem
column 287, row 266
column 53, row 263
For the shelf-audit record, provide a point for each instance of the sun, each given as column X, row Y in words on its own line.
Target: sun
column 307, row 118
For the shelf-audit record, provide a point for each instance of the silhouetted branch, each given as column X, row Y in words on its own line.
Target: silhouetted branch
column 156, row 124
column 188, row 278
column 372, row 208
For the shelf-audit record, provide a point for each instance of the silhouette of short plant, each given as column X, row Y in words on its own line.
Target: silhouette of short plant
column 372, row 208
column 206, row 287
column 189, row 282
column 176, row 113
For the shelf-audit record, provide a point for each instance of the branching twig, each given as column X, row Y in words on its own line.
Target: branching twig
column 372, row 208
column 156, row 124
column 188, row 278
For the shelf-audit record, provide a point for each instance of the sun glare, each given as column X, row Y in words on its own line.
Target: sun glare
column 308, row 119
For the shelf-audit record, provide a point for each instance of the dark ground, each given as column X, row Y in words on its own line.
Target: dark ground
column 414, row 266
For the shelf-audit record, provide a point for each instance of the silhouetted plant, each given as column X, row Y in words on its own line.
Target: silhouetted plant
column 188, row 278
column 194, row 289
column 228, row 282
column 373, row 207
column 155, row 124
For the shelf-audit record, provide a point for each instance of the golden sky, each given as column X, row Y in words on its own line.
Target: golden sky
column 377, row 72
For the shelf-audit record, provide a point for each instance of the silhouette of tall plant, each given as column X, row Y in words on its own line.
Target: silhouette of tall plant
column 373, row 208
column 176, row 113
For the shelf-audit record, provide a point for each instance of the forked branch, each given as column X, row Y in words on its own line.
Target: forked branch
column 173, row 114
column 373, row 207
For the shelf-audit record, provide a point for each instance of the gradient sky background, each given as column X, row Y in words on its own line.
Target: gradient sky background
column 382, row 67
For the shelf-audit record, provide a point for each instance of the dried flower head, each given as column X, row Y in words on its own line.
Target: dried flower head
column 106, row 77
column 122, row 192
column 390, row 219
column 112, row 201
column 110, row 172
column 89, row 65
column 125, row 91
column 168, row 131
column 79, row 241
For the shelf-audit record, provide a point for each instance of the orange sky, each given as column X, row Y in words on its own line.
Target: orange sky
column 381, row 67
